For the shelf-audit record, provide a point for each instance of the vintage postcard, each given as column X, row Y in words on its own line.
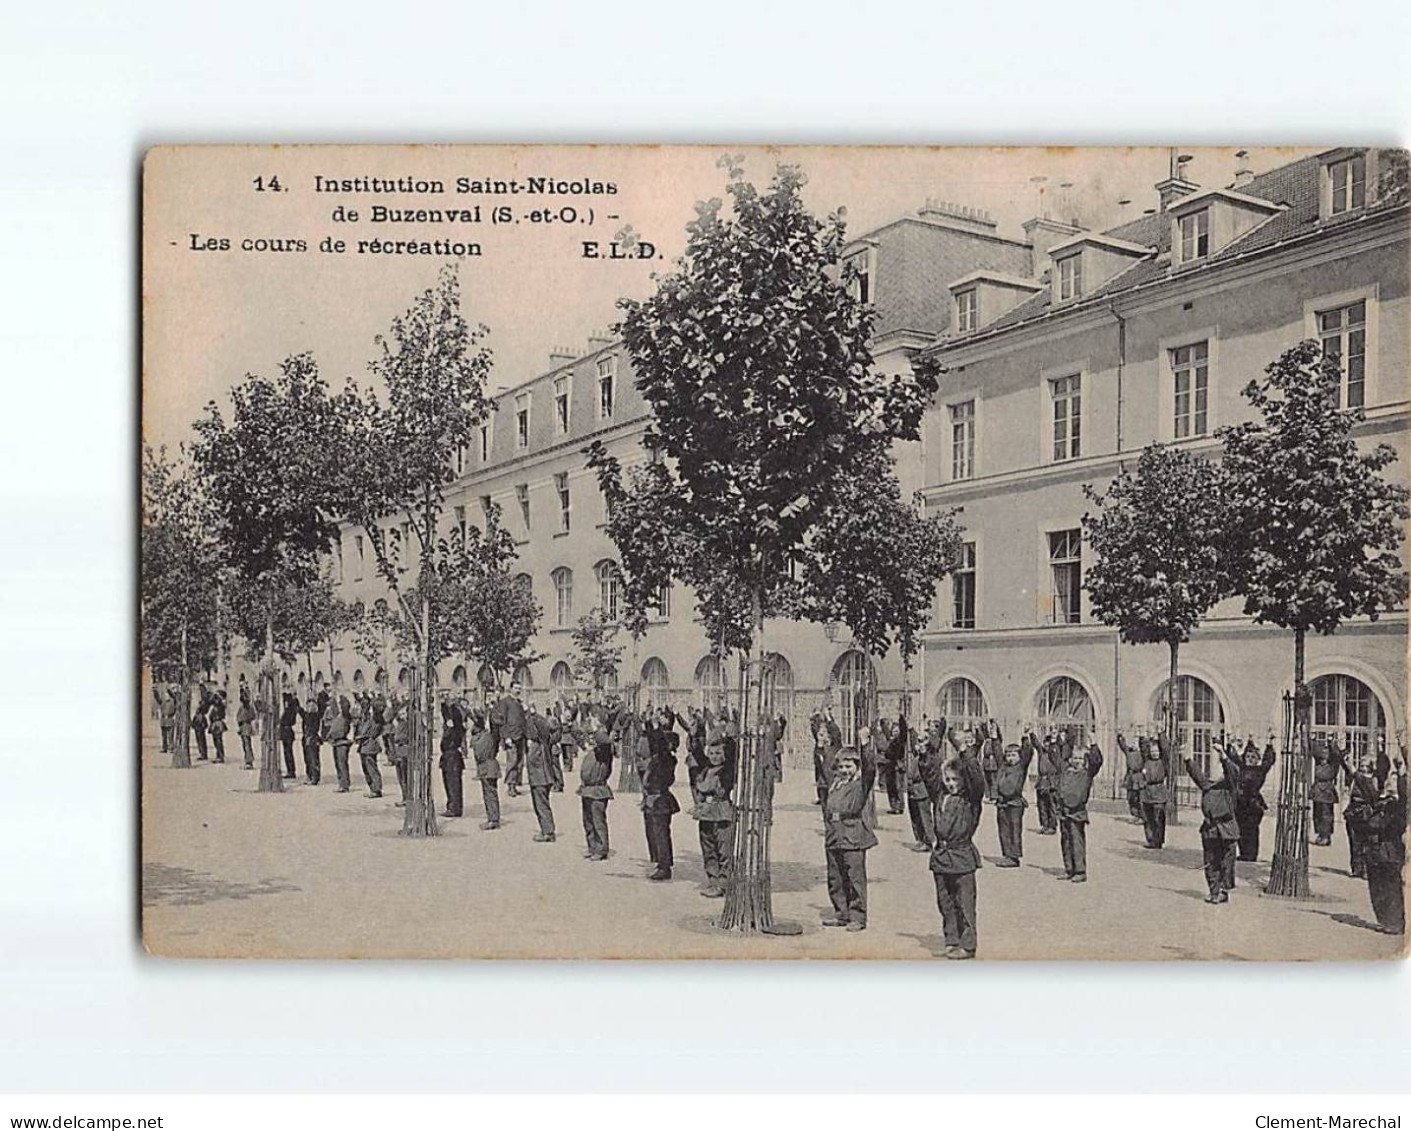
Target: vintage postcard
column 707, row 552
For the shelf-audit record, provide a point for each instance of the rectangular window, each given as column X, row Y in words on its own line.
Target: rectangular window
column 1066, row 394
column 338, row 548
column 1343, row 333
column 521, row 421
column 662, row 602
column 460, row 523
column 607, row 378
column 485, row 443
column 962, row 440
column 460, row 459
column 522, row 494
column 565, row 504
column 562, row 405
column 1195, row 235
column 1190, row 371
column 963, row 588
column 485, row 505
column 362, row 557
column 1070, row 277
column 967, row 310
column 861, row 284
column 1065, row 559
column 1349, row 184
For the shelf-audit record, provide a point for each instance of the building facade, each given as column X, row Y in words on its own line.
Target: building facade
column 1149, row 332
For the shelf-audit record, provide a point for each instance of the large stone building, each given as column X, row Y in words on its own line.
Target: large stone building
column 529, row 460
column 1149, row 331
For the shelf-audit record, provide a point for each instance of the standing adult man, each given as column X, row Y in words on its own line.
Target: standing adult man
column 311, row 719
column 287, row 718
column 507, row 721
column 539, row 766
column 453, row 757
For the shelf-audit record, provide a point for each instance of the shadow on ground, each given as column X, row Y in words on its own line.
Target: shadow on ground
column 183, row 887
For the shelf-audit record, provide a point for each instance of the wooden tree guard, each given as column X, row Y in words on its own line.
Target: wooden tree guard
column 628, row 780
column 419, row 815
column 181, row 739
column 1288, row 878
column 271, row 689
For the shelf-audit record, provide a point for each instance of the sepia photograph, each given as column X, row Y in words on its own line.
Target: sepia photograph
column 690, row 552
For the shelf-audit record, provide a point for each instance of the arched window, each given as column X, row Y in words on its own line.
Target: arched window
column 404, row 677
column 961, row 703
column 338, row 680
column 523, row 677
column 1348, row 712
column 608, row 680
column 777, row 686
column 319, row 681
column 855, row 681
column 525, row 582
column 1064, row 702
column 1200, row 718
column 655, row 679
column 561, row 677
column 563, row 596
column 609, row 589
column 485, row 677
column 358, row 680
column 380, row 678
column 458, row 677
column 710, row 683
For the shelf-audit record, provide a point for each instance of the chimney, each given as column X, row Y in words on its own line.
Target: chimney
column 560, row 355
column 598, row 339
column 1175, row 186
column 958, row 216
column 1243, row 173
column 1041, row 233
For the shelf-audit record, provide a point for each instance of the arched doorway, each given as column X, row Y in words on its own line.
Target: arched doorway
column 777, row 686
column 961, row 703
column 561, row 678
column 523, row 677
column 1200, row 718
column 1063, row 702
column 358, row 681
column 458, row 677
column 854, row 682
column 711, row 685
column 1348, row 712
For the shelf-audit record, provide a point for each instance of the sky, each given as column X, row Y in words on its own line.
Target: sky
column 211, row 316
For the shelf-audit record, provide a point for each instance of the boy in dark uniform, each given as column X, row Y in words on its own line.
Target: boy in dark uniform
column 1154, row 788
column 311, row 720
column 245, row 726
column 593, row 788
column 453, row 757
column 484, row 747
column 991, row 751
column 1009, row 799
column 507, row 721
column 1133, row 782
column 401, row 736
column 659, row 805
column 538, row 766
column 287, row 719
column 217, row 716
column 892, row 762
column 1250, row 806
column 957, row 789
column 847, row 832
column 1075, row 785
column 1327, row 761
column 918, row 801
column 1362, row 797
column 827, row 738
column 1046, row 788
column 1385, row 852
column 1219, row 831
column 198, row 727
column 369, row 737
column 168, row 719
column 714, row 811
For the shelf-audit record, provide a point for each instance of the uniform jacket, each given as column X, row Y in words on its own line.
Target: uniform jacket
column 1386, row 827
column 1009, row 780
column 1155, row 759
column 1249, row 796
column 168, row 709
column 1217, row 799
column 659, row 774
column 312, row 723
column 245, row 719
column 287, row 717
column 1327, row 761
column 484, row 747
column 1076, row 785
column 596, row 767
column 1050, row 765
column 957, row 815
column 507, row 717
column 1133, row 758
column 453, row 736
column 847, row 806
column 366, row 733
column 915, row 782
column 715, row 781
column 335, row 726
column 536, row 759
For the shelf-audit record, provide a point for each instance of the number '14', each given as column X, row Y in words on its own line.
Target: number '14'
column 268, row 184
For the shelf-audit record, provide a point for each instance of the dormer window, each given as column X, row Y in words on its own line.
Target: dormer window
column 1070, row 277
column 860, row 268
column 1195, row 235
column 1348, row 182
column 967, row 310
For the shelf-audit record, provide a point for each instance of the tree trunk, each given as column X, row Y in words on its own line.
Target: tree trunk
column 181, row 746
column 1175, row 771
column 1288, row 877
column 748, row 893
column 419, row 816
column 271, row 776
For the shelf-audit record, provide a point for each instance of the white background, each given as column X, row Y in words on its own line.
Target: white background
column 84, row 88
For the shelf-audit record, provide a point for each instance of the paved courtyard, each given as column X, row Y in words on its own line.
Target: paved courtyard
column 311, row 872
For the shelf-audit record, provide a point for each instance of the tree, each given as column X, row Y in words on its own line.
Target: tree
column 753, row 355
column 1316, row 531
column 270, row 476
column 595, row 656
column 1159, row 536
column 303, row 614
column 397, row 460
column 180, row 572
